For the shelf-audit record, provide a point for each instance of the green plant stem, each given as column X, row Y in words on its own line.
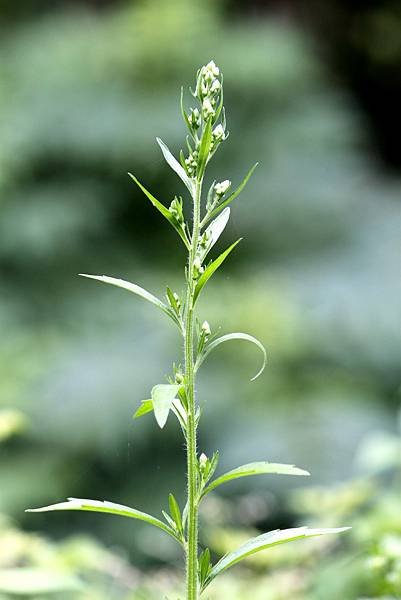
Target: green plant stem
column 192, row 471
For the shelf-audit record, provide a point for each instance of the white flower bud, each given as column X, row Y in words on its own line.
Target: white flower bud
column 218, row 132
column 203, row 460
column 206, row 328
column 215, row 87
column 213, row 68
column 195, row 118
column 222, row 187
column 207, row 108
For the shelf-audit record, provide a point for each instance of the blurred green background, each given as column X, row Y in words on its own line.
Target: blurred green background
column 311, row 93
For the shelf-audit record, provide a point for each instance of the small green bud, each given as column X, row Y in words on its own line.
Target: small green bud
column 179, row 378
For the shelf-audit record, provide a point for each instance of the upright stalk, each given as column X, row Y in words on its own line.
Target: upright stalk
column 192, row 471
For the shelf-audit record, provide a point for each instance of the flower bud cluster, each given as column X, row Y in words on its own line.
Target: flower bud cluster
column 191, row 162
column 194, row 119
column 209, row 93
column 216, row 193
column 208, row 85
column 222, row 187
column 176, row 210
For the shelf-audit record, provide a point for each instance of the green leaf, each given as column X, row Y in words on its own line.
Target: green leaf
column 145, row 408
column 163, row 210
column 135, row 289
column 175, row 512
column 233, row 195
column 214, row 231
column 256, row 468
column 204, row 149
column 204, row 565
column 175, row 165
column 184, row 114
column 210, row 269
column 233, row 336
column 163, row 395
column 106, row 507
column 264, row 541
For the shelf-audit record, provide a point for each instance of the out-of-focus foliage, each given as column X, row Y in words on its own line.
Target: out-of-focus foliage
column 82, row 94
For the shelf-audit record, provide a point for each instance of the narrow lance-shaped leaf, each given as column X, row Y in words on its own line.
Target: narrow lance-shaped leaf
column 163, row 210
column 204, row 565
column 232, row 196
column 233, row 336
column 106, row 507
column 163, row 395
column 175, row 165
column 135, row 289
column 210, row 269
column 264, row 541
column 256, row 468
column 214, row 231
column 184, row 114
column 175, row 512
column 204, row 149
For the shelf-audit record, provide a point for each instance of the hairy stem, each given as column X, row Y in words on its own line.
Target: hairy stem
column 192, row 472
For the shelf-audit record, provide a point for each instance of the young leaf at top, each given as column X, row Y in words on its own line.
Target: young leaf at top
column 232, row 196
column 163, row 395
column 210, row 269
column 163, row 210
column 264, row 541
column 214, row 231
column 204, row 149
column 106, row 507
column 175, row 165
column 256, row 468
column 135, row 289
column 233, row 336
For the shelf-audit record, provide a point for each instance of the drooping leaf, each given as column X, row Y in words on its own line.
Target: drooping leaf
column 214, row 231
column 175, row 165
column 135, row 289
column 210, row 269
column 204, row 149
column 145, row 408
column 163, row 210
column 233, row 336
column 106, row 507
column 256, row 468
column 175, row 512
column 264, row 541
column 163, row 395
column 233, row 195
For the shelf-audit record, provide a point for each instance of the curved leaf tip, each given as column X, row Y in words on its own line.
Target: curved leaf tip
column 235, row 336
